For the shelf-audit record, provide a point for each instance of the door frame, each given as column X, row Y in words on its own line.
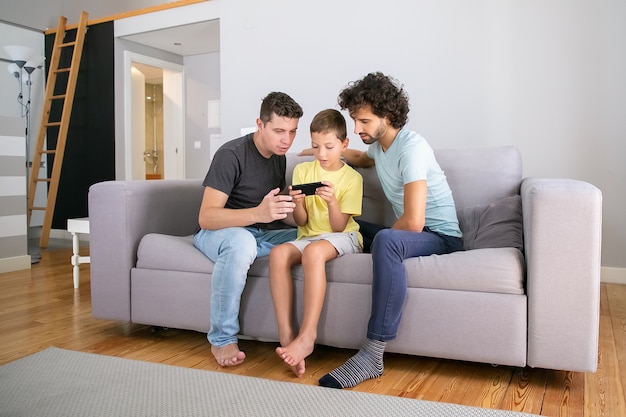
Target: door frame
column 173, row 116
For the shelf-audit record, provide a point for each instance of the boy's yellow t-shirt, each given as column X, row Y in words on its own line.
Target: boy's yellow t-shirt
column 348, row 184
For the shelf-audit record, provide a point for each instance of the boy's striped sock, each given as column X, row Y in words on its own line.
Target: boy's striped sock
column 367, row 363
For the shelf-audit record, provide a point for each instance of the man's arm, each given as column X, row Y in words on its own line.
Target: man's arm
column 213, row 215
column 352, row 156
column 414, row 217
column 357, row 158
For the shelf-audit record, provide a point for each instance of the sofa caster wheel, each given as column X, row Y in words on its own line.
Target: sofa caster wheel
column 154, row 329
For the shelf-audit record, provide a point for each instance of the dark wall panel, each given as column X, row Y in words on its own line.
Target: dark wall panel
column 90, row 149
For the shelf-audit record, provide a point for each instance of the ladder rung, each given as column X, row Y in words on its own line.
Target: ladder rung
column 62, row 125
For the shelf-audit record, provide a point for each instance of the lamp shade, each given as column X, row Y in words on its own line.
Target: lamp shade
column 19, row 54
column 14, row 70
column 33, row 63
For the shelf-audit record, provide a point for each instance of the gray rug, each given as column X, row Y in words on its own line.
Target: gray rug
column 57, row 382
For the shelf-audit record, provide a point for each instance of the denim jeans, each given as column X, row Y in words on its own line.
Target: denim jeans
column 390, row 248
column 233, row 250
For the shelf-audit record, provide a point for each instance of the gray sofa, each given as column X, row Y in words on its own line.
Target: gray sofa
column 508, row 299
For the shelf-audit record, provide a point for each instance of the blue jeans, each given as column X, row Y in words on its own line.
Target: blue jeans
column 390, row 248
column 233, row 250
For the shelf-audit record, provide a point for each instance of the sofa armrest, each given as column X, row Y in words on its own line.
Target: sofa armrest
column 120, row 214
column 562, row 244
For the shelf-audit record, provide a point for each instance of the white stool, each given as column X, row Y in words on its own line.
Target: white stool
column 76, row 226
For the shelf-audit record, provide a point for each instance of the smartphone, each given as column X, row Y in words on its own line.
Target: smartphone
column 307, row 189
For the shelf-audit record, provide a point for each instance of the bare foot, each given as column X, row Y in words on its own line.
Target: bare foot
column 298, row 369
column 295, row 352
column 228, row 355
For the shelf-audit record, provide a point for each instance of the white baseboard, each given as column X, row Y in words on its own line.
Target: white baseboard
column 60, row 234
column 15, row 263
column 610, row 275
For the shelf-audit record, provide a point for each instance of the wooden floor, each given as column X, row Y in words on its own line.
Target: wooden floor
column 39, row 308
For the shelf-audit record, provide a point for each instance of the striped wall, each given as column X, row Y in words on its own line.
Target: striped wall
column 13, row 228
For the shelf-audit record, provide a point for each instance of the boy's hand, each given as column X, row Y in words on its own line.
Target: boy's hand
column 327, row 193
column 296, row 195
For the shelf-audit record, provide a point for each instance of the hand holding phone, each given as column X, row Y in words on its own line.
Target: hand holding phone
column 308, row 188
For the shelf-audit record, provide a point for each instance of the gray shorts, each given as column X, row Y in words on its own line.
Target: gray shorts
column 343, row 242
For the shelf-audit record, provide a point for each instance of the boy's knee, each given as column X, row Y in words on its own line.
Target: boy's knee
column 278, row 253
column 310, row 256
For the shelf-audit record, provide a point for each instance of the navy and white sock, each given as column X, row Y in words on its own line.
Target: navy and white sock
column 367, row 363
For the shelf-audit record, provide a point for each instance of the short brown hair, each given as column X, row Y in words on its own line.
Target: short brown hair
column 330, row 120
column 281, row 105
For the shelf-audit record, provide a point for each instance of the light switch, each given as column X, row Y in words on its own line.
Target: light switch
column 197, row 144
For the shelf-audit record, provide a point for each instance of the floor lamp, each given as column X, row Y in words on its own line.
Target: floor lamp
column 24, row 62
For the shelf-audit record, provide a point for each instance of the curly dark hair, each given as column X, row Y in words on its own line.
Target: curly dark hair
column 280, row 104
column 383, row 94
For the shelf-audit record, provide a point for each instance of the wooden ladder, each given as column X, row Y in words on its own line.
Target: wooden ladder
column 65, row 100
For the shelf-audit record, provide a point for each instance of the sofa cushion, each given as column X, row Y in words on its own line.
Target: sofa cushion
column 496, row 270
column 497, row 225
column 171, row 253
column 478, row 176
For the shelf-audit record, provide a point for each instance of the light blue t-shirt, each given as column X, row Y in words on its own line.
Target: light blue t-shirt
column 410, row 158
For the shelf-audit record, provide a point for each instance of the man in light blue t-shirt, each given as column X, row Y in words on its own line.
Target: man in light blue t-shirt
column 426, row 225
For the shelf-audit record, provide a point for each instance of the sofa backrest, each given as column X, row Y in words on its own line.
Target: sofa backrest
column 477, row 176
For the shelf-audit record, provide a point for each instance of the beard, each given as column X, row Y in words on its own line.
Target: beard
column 380, row 131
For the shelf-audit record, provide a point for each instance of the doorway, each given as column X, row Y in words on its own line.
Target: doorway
column 153, row 96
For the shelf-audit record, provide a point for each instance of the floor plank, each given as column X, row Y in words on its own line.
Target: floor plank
column 39, row 308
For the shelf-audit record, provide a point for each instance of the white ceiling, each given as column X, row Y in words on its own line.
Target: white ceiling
column 193, row 39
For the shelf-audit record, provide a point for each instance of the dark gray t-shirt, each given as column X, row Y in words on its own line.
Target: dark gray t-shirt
column 241, row 172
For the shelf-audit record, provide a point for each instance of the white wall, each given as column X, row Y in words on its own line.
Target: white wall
column 544, row 75
column 13, row 228
column 10, row 89
column 202, row 84
column 15, row 35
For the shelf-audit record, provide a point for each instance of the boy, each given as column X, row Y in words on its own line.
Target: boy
column 326, row 230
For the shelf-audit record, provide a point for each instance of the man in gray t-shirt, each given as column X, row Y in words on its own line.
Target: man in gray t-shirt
column 241, row 172
column 241, row 215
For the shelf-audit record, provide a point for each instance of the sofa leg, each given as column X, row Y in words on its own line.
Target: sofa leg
column 155, row 329
column 516, row 369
